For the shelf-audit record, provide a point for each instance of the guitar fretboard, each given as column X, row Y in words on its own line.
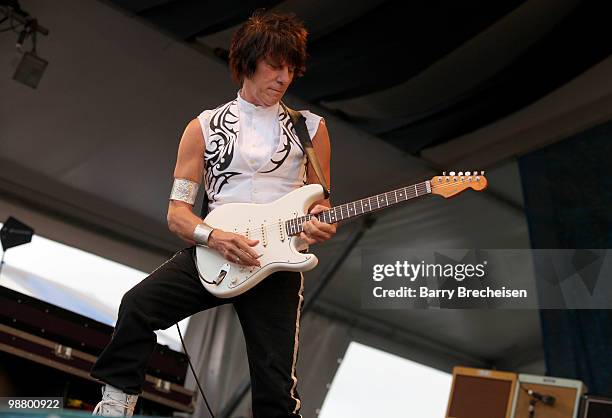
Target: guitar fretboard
column 359, row 207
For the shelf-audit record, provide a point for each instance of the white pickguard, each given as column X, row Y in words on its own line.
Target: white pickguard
column 266, row 223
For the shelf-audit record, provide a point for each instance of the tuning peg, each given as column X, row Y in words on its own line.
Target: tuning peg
column 444, row 173
column 460, row 173
column 467, row 173
column 452, row 173
column 482, row 173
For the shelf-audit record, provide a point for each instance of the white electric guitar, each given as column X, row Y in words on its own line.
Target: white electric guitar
column 277, row 226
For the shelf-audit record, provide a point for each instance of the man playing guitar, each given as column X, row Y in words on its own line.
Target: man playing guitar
column 247, row 152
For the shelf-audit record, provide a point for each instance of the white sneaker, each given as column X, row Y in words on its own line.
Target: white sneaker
column 115, row 403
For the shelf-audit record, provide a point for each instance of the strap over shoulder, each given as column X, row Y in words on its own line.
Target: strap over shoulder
column 299, row 124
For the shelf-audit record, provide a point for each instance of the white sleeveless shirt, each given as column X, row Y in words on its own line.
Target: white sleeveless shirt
column 252, row 153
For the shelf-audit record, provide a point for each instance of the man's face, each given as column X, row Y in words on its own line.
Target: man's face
column 270, row 81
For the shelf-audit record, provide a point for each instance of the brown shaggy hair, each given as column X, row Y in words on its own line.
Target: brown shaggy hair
column 279, row 37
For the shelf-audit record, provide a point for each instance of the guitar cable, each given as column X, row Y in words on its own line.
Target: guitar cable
column 193, row 371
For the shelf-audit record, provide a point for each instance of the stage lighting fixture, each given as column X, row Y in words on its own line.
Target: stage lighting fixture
column 15, row 233
column 31, row 67
column 30, row 70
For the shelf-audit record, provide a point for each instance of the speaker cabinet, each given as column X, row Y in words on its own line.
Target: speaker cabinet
column 550, row 397
column 595, row 407
column 478, row 393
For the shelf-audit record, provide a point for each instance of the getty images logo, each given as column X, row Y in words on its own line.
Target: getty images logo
column 412, row 271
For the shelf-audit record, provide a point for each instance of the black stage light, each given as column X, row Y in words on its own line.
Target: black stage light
column 15, row 233
column 30, row 70
column 31, row 67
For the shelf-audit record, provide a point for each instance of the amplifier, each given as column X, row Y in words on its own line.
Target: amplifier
column 595, row 407
column 546, row 397
column 479, row 393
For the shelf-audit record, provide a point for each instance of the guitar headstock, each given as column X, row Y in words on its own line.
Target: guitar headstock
column 454, row 183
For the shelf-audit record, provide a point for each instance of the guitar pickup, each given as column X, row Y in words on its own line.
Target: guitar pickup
column 264, row 235
column 282, row 233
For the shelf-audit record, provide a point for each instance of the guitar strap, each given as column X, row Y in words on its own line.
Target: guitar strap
column 299, row 124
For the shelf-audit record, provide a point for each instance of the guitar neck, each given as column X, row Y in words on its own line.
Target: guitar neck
column 362, row 206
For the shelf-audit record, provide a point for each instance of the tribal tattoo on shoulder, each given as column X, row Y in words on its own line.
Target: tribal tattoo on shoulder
column 220, row 148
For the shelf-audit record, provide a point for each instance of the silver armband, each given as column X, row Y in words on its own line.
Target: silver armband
column 201, row 233
column 184, row 190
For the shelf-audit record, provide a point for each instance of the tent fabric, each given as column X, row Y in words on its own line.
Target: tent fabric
column 564, row 213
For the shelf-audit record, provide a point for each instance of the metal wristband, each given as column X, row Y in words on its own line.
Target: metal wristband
column 184, row 190
column 201, row 233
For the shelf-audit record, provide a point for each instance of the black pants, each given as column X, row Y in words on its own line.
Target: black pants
column 269, row 315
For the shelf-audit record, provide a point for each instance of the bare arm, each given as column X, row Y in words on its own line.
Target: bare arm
column 189, row 165
column 181, row 219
